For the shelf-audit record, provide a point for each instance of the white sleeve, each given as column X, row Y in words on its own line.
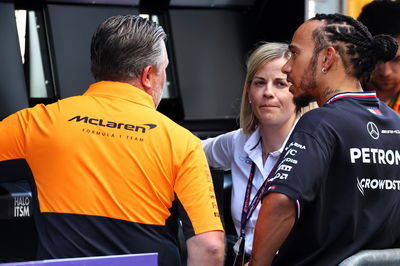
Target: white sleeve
column 219, row 150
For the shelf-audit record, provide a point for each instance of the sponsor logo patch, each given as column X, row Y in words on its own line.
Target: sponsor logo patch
column 373, row 130
column 377, row 184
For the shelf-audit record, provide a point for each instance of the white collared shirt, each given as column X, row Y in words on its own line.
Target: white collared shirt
column 236, row 151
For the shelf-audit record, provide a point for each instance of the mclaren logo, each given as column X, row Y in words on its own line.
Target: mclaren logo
column 373, row 130
column 100, row 122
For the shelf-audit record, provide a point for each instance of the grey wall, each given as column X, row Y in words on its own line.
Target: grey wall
column 209, row 52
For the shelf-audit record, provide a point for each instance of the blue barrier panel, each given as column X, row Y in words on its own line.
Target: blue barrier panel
column 148, row 259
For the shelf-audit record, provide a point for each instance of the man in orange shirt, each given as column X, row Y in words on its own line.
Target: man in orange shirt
column 108, row 168
column 382, row 17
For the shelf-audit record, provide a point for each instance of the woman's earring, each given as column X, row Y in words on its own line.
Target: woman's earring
column 324, row 70
column 249, row 101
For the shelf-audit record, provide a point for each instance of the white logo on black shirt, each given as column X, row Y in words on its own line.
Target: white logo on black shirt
column 373, row 130
column 377, row 184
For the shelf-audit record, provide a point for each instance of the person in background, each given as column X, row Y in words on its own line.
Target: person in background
column 267, row 117
column 324, row 203
column 382, row 17
column 107, row 166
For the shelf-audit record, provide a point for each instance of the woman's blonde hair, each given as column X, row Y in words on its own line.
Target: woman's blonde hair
column 265, row 51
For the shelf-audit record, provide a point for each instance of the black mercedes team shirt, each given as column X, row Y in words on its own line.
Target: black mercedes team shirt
column 341, row 167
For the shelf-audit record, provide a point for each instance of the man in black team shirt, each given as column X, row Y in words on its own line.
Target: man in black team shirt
column 337, row 186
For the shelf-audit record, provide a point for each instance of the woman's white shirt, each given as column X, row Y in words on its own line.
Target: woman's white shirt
column 237, row 151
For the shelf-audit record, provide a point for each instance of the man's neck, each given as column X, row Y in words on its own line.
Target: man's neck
column 339, row 86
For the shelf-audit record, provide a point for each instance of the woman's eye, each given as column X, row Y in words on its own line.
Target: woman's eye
column 282, row 84
column 259, row 83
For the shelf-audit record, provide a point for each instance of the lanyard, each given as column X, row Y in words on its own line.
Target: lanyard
column 248, row 209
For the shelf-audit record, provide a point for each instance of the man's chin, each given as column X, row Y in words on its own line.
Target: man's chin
column 383, row 85
column 302, row 100
column 386, row 87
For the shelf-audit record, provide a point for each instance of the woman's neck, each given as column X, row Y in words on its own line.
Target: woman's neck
column 273, row 136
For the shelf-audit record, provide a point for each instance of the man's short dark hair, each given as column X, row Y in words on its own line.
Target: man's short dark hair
column 123, row 46
column 382, row 17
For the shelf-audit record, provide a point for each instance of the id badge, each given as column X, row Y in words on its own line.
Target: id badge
column 238, row 248
column 237, row 245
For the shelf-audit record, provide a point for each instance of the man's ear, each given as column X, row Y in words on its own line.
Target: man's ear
column 329, row 57
column 146, row 78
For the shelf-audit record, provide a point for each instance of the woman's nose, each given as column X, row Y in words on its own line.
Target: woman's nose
column 269, row 89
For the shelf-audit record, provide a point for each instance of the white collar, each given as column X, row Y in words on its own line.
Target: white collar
column 253, row 142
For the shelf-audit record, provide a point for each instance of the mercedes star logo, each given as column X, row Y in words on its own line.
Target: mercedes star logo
column 373, row 130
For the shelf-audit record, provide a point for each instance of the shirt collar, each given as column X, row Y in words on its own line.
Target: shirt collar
column 255, row 140
column 120, row 90
column 364, row 95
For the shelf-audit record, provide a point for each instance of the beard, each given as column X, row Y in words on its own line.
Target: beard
column 308, row 84
column 302, row 100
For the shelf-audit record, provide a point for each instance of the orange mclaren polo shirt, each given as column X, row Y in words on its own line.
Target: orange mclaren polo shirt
column 107, row 167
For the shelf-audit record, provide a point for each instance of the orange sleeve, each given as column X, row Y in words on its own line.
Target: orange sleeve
column 195, row 191
column 12, row 135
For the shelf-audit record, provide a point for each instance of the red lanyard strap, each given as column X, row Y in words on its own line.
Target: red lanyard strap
column 248, row 209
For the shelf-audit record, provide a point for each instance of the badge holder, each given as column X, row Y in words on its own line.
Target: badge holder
column 238, row 248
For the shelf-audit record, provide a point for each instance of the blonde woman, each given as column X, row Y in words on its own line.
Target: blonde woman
column 267, row 117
